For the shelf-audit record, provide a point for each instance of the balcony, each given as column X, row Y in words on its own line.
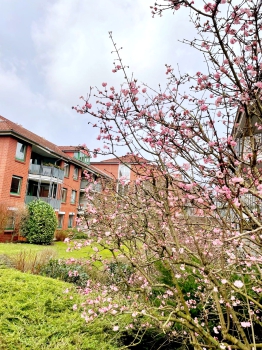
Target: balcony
column 95, row 187
column 46, row 170
column 55, row 203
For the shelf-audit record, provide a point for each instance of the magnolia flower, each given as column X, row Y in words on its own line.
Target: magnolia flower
column 238, row 284
column 258, row 84
column 237, row 180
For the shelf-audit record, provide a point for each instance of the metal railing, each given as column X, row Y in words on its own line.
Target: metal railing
column 46, row 170
column 55, row 203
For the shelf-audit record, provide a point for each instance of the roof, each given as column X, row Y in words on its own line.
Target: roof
column 99, row 171
column 7, row 127
column 73, row 148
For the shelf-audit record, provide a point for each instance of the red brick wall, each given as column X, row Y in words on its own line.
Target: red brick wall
column 9, row 166
column 110, row 169
column 70, row 184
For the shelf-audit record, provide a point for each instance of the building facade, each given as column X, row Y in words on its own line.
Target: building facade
column 33, row 168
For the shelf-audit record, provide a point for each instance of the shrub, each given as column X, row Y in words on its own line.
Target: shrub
column 61, row 235
column 39, row 225
column 38, row 314
column 79, row 235
column 73, row 233
column 66, row 271
column 29, row 261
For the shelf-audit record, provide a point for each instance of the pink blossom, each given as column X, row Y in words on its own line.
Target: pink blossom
column 217, row 242
column 144, row 90
column 88, row 105
column 104, row 84
column 258, row 84
column 233, row 40
column 237, row 180
column 203, row 108
column 238, row 284
column 245, row 324
column 115, row 328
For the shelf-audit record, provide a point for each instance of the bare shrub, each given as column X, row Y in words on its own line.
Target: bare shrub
column 28, row 261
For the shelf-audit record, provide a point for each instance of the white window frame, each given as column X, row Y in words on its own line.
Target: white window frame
column 73, row 196
column 19, row 184
column 20, row 155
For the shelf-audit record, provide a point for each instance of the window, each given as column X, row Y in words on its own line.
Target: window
column 70, row 221
column 16, row 185
column 76, row 171
column 73, row 197
column 64, row 194
column 60, row 220
column 124, row 175
column 20, row 151
column 66, row 169
column 124, row 171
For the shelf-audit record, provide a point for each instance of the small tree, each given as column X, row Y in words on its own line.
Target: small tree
column 192, row 229
column 40, row 223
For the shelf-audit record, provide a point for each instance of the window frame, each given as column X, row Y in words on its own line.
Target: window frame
column 76, row 173
column 70, row 217
column 64, row 190
column 75, row 192
column 19, row 185
column 66, row 172
column 62, row 216
column 24, row 151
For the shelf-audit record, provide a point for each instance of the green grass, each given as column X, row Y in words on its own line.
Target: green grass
column 59, row 249
column 35, row 313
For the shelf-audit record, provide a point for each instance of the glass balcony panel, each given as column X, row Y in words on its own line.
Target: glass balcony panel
column 46, row 170
column 55, row 203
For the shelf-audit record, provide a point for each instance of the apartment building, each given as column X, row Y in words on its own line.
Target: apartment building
column 128, row 167
column 32, row 167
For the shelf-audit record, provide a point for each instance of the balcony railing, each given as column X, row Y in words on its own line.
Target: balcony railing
column 46, row 170
column 55, row 203
column 94, row 187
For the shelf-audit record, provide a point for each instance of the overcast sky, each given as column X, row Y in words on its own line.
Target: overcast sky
column 52, row 51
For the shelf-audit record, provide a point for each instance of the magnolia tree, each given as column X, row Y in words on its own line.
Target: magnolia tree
column 189, row 226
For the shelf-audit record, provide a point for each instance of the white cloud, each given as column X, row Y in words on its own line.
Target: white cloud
column 68, row 50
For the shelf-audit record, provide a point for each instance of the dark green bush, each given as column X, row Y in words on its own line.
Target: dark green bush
column 68, row 272
column 40, row 223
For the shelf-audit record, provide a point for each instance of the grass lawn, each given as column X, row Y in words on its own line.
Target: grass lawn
column 59, row 249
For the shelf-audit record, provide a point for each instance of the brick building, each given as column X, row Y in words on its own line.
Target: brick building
column 128, row 167
column 32, row 167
